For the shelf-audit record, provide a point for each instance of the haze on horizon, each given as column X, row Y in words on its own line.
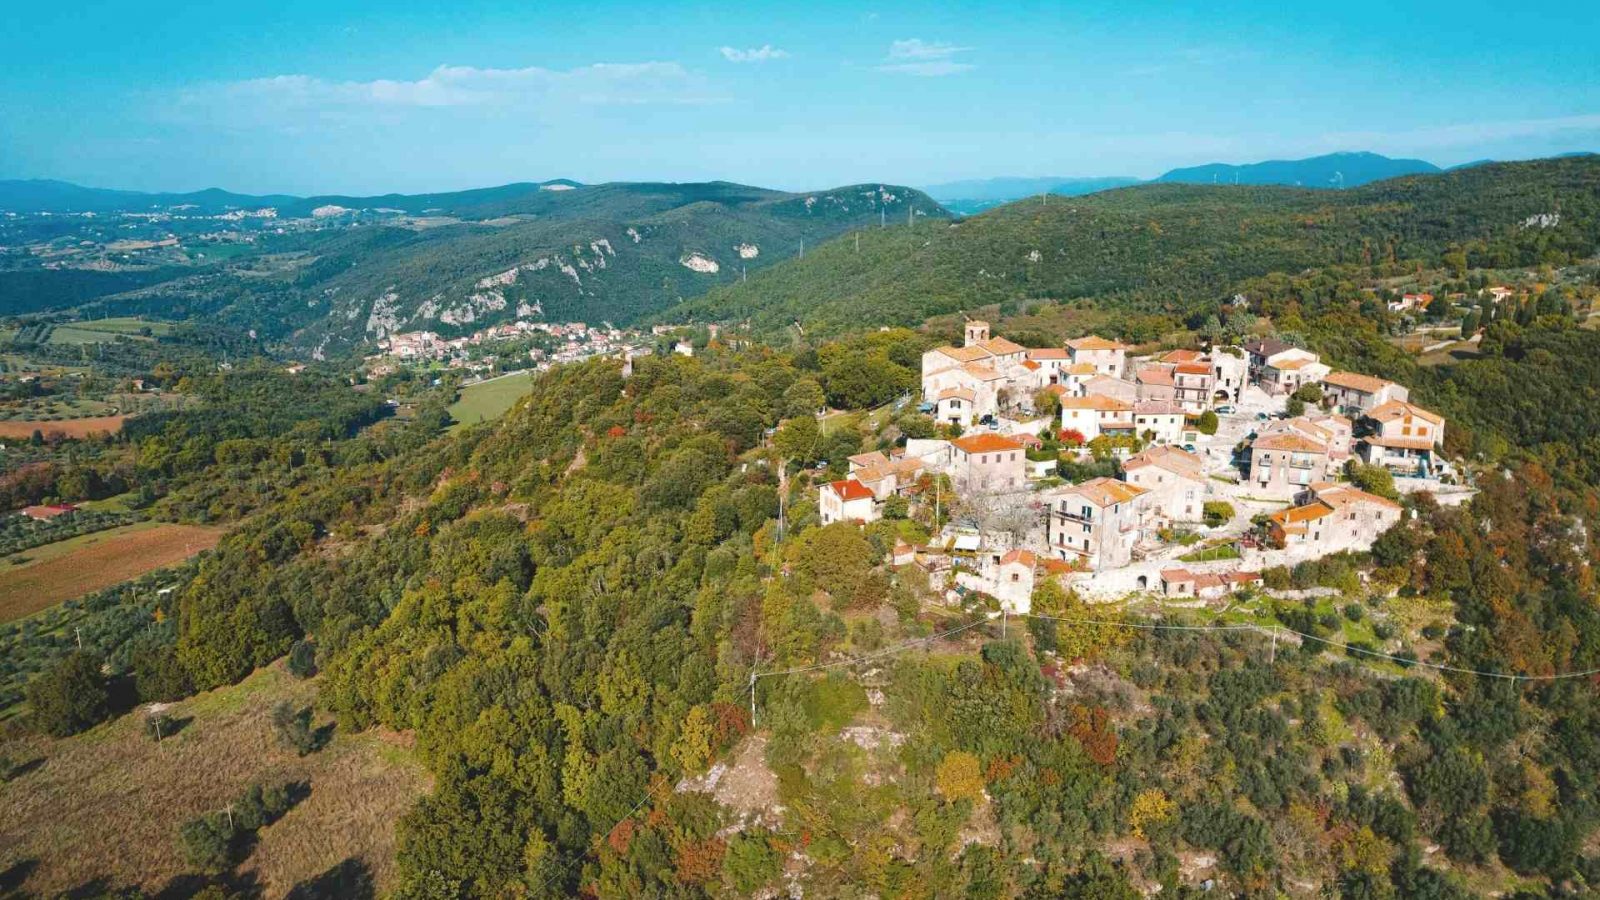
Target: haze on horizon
column 294, row 97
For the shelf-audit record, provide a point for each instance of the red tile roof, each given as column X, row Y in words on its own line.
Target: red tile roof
column 986, row 443
column 851, row 489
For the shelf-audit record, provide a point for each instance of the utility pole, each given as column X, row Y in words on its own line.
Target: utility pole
column 79, row 633
column 752, row 697
column 1274, row 657
column 802, row 248
column 858, row 242
column 883, row 218
column 911, row 212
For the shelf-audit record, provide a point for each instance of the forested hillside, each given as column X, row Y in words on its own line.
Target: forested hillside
column 565, row 609
column 1172, row 248
column 454, row 263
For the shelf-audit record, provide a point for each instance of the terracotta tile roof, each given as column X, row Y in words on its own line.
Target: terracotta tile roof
column 1096, row 401
column 1026, row 557
column 851, row 489
column 1157, row 408
column 958, row 394
column 1048, row 353
column 1154, row 375
column 1030, row 365
column 981, row 372
column 1290, row 365
column 1182, row 356
column 869, row 460
column 1174, row 459
column 1396, row 409
column 1399, row 443
column 1299, row 515
column 1176, row 575
column 1354, row 381
column 1288, row 440
column 964, row 354
column 1000, row 346
column 1339, row 496
column 1079, row 369
column 1193, row 368
column 1106, row 491
column 986, row 443
column 1094, row 342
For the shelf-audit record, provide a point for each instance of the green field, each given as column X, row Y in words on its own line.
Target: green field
column 488, row 400
column 101, row 330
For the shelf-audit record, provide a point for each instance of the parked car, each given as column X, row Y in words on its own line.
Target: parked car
column 1262, row 417
column 1225, row 410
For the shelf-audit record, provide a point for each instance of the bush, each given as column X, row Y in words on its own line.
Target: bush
column 1207, row 423
column 303, row 659
column 1354, row 612
column 158, row 726
column 70, row 696
column 293, row 727
column 208, row 842
column 1218, row 512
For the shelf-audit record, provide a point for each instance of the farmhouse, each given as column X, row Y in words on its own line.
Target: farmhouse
column 847, row 501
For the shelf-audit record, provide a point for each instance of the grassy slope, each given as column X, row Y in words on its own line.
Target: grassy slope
column 1159, row 245
column 489, row 399
column 107, row 804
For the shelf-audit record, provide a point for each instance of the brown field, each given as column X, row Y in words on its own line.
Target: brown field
column 76, row 566
column 72, row 428
column 106, row 806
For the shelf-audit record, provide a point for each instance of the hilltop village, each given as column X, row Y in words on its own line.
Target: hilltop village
column 1228, row 461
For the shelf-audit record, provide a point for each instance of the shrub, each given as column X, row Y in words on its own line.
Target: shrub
column 960, row 776
column 70, row 696
column 158, row 725
column 303, row 659
column 293, row 727
column 1217, row 512
column 1207, row 423
column 208, row 842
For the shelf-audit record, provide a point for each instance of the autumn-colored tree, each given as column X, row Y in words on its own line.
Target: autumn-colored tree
column 1150, row 807
column 959, row 776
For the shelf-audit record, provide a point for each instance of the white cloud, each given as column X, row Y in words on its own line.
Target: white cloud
column 753, row 55
column 914, row 56
column 467, row 86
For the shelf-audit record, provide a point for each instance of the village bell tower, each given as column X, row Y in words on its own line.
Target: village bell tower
column 977, row 332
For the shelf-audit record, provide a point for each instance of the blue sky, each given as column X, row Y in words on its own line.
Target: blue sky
column 365, row 97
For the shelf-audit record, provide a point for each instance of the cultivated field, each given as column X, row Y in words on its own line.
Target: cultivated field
column 490, row 399
column 71, row 568
column 106, row 806
column 72, row 428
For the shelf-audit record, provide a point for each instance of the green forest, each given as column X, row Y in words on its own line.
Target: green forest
column 1170, row 248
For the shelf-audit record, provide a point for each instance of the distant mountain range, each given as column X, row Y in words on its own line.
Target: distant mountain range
column 44, row 195
column 1333, row 170
column 977, row 194
column 556, row 250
